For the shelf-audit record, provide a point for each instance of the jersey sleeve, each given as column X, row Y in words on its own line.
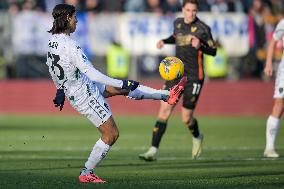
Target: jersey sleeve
column 279, row 31
column 176, row 25
column 207, row 43
column 84, row 65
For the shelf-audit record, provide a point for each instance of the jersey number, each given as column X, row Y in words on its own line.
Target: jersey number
column 196, row 88
column 55, row 58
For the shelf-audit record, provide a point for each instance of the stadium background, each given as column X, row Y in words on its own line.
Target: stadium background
column 243, row 28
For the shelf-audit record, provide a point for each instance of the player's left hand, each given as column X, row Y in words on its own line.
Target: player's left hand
column 59, row 99
column 195, row 42
column 130, row 85
column 268, row 70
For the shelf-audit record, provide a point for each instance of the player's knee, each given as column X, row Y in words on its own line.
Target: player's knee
column 189, row 121
column 163, row 117
column 279, row 104
column 111, row 137
column 278, row 107
column 164, row 114
column 115, row 135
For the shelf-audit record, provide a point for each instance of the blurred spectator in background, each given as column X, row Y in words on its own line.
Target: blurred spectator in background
column 246, row 5
column 259, row 16
column 277, row 7
column 29, row 5
column 221, row 6
column 134, row 6
column 153, row 6
column 47, row 5
column 78, row 4
column 29, row 62
column 14, row 7
column 113, row 5
column 172, row 6
column 118, row 59
column 204, row 5
column 226, row 6
column 4, row 5
column 93, row 6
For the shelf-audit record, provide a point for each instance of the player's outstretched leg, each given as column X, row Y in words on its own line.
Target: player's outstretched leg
column 176, row 91
column 144, row 92
column 172, row 96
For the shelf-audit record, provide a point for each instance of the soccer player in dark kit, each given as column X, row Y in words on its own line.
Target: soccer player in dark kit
column 192, row 38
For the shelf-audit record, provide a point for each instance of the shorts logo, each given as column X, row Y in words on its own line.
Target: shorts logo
column 101, row 112
column 280, row 90
column 106, row 106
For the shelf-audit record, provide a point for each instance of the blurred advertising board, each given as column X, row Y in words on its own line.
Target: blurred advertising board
column 137, row 32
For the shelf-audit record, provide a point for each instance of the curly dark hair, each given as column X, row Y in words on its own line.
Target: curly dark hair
column 60, row 14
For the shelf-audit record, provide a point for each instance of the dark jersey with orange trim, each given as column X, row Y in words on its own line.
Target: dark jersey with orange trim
column 192, row 57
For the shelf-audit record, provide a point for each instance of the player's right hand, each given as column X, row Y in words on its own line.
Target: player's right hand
column 160, row 44
column 59, row 99
column 268, row 70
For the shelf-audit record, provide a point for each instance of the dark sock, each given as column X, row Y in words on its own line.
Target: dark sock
column 158, row 132
column 194, row 128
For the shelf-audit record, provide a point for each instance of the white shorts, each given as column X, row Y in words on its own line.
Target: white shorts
column 90, row 102
column 279, row 84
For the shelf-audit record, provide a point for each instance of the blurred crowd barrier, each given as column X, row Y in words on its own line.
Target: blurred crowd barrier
column 24, row 39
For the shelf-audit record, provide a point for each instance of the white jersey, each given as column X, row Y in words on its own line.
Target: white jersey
column 279, row 35
column 69, row 66
column 279, row 82
column 82, row 83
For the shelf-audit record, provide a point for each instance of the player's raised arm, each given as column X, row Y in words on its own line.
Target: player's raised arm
column 208, row 46
column 170, row 40
column 83, row 64
column 268, row 70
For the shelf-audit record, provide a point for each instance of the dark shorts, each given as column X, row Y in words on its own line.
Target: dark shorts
column 191, row 92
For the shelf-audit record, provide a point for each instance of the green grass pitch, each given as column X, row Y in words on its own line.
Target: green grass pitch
column 49, row 152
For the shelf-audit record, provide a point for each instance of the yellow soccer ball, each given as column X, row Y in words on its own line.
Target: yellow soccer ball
column 171, row 68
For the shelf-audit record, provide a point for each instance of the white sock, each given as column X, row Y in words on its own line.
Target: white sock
column 143, row 92
column 272, row 126
column 99, row 151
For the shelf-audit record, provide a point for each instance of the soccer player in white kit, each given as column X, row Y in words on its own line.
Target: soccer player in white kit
column 273, row 121
column 86, row 88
